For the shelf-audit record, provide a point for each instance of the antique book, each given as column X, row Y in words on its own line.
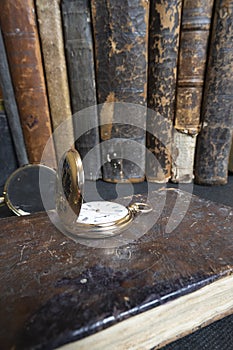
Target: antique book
column 1, row 98
column 8, row 158
column 194, row 41
column 56, row 293
column 230, row 164
column 78, row 37
column 10, row 107
column 51, row 36
column 20, row 33
column 214, row 140
column 164, row 33
column 121, row 50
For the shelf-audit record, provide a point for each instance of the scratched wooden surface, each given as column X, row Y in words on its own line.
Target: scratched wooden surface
column 54, row 291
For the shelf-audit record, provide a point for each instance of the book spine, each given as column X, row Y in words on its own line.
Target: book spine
column 164, row 33
column 121, row 49
column 8, row 159
column 51, row 36
column 230, row 164
column 183, row 152
column 1, row 100
column 214, row 140
column 19, row 28
column 79, row 49
column 194, row 40
column 10, row 106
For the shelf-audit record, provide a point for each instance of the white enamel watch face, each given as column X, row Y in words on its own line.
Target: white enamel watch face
column 98, row 213
column 95, row 219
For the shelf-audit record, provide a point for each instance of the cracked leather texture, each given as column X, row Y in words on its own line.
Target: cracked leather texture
column 19, row 27
column 214, row 141
column 79, row 49
column 165, row 17
column 121, row 39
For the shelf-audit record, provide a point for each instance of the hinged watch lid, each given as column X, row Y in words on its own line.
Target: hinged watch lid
column 70, row 183
column 93, row 219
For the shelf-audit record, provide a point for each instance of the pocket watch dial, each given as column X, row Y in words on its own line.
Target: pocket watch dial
column 96, row 213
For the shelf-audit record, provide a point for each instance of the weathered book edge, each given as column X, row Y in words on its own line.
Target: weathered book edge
column 8, row 159
column 194, row 41
column 184, row 146
column 78, row 37
column 230, row 165
column 164, row 34
column 160, row 326
column 51, row 36
column 10, row 106
column 121, row 73
column 214, row 140
column 20, row 33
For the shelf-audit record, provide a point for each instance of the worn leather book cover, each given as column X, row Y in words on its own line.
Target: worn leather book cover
column 214, row 140
column 20, row 33
column 194, row 41
column 230, row 165
column 1, row 99
column 138, row 295
column 164, row 34
column 8, row 158
column 10, row 107
column 78, row 37
column 121, row 51
column 51, row 36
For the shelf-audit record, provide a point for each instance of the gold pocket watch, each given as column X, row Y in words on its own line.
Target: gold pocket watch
column 97, row 219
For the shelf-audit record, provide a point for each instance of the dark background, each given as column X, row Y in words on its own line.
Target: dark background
column 221, row 194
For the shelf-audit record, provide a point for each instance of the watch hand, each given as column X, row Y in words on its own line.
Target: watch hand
column 100, row 211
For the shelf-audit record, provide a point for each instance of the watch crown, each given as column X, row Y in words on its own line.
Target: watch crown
column 140, row 208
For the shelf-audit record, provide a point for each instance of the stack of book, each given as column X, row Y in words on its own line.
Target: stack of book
column 172, row 58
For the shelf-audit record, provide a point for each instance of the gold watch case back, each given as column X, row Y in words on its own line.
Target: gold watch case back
column 69, row 200
column 70, row 183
